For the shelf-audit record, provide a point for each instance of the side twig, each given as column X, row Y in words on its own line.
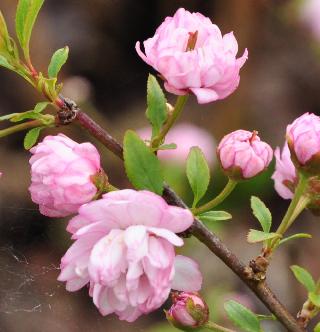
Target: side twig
column 260, row 288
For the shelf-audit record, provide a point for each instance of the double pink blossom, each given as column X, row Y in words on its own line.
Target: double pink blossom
column 124, row 249
column 185, row 136
column 309, row 15
column 285, row 175
column 61, row 175
column 191, row 55
column 243, row 155
column 303, row 137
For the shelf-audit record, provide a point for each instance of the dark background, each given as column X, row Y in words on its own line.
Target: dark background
column 279, row 82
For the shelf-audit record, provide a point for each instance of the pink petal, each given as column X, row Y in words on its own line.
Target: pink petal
column 187, row 276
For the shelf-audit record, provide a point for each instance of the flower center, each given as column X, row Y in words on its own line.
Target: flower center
column 193, row 36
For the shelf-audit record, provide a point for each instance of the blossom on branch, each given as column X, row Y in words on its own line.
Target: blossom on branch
column 192, row 56
column 124, row 249
column 285, row 175
column 243, row 155
column 62, row 175
column 185, row 136
column 303, row 137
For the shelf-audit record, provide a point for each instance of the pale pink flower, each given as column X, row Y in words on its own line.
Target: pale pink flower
column 309, row 15
column 188, row 310
column 210, row 70
column 303, row 137
column 61, row 172
column 243, row 155
column 284, row 176
column 185, row 136
column 124, row 249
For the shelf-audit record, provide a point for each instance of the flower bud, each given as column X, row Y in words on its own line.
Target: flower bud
column 63, row 175
column 188, row 310
column 285, row 175
column 243, row 155
column 303, row 137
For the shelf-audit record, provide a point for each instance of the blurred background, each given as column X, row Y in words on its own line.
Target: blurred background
column 279, row 82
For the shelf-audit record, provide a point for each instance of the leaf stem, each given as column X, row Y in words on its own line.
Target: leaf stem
column 217, row 328
column 20, row 127
column 297, row 205
column 180, row 103
column 218, row 199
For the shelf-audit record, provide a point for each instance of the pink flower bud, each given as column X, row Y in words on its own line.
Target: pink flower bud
column 61, row 174
column 243, row 155
column 188, row 310
column 303, row 137
column 191, row 55
column 125, row 250
column 284, row 176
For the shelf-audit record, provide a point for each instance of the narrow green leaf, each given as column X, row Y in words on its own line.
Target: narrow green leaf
column 41, row 106
column 198, row 173
column 255, row 236
column 262, row 213
column 26, row 15
column 157, row 108
column 4, row 63
column 317, row 328
column 296, row 236
column 214, row 216
column 58, row 59
column 31, row 138
column 5, row 44
column 142, row 166
column 315, row 299
column 25, row 115
column 304, row 277
column 242, row 317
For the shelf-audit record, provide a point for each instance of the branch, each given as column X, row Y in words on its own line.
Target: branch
column 260, row 288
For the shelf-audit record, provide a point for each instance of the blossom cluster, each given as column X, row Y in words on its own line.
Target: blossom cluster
column 125, row 240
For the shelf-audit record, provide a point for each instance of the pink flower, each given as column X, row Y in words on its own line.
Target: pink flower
column 309, row 15
column 185, row 136
column 209, row 69
column 61, row 172
column 303, row 137
column 188, row 310
column 284, row 176
column 124, row 249
column 243, row 155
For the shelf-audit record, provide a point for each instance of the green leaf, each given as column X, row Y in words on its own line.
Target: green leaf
column 27, row 12
column 315, row 299
column 262, row 213
column 198, row 173
column 4, row 63
column 317, row 328
column 242, row 317
column 255, row 236
column 5, row 43
column 142, row 166
column 58, row 59
column 304, row 277
column 31, row 138
column 41, row 106
column 214, row 216
column 157, row 108
column 296, row 236
column 25, row 115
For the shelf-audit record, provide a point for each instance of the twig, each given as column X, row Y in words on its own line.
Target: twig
column 260, row 288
